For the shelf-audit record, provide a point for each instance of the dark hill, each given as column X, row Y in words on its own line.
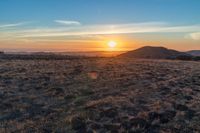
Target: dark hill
column 194, row 52
column 153, row 53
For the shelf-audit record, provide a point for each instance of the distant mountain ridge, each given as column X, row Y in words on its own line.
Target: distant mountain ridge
column 151, row 52
column 194, row 52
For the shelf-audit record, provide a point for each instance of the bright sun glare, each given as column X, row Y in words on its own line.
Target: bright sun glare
column 112, row 44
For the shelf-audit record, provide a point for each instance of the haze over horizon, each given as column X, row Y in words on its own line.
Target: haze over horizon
column 86, row 25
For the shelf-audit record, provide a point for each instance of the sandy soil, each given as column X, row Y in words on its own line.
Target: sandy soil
column 99, row 95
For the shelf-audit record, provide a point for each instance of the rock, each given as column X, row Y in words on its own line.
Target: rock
column 111, row 113
column 5, row 106
column 141, row 101
column 189, row 114
column 86, row 92
column 153, row 115
column 126, row 125
column 37, row 110
column 11, row 116
column 188, row 97
column 46, row 78
column 153, row 128
column 95, row 126
column 59, row 91
column 166, row 116
column 112, row 127
column 89, row 131
column 37, row 88
column 81, row 131
column 139, row 123
column 102, row 130
column 134, row 130
column 130, row 110
column 78, row 123
column 180, row 107
column 2, row 95
column 77, row 70
column 47, row 128
column 69, row 97
column 55, row 91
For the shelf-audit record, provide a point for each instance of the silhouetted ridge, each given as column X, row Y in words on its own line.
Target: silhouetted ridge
column 153, row 53
column 194, row 52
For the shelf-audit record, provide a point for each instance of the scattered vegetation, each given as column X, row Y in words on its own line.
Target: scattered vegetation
column 188, row 58
column 99, row 95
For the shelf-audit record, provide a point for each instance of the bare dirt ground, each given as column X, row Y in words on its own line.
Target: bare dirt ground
column 99, row 95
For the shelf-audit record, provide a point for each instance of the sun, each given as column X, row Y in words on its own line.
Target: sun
column 112, row 44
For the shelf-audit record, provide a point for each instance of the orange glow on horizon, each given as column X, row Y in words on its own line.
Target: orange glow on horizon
column 100, row 44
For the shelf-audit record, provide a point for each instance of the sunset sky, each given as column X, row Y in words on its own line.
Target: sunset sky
column 88, row 25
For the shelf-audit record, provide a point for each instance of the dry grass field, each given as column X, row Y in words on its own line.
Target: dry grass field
column 99, row 95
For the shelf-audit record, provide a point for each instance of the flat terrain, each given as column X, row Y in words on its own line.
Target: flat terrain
column 99, row 95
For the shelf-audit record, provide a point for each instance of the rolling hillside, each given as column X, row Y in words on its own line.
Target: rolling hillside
column 153, row 53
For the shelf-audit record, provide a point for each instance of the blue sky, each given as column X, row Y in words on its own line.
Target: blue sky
column 101, row 11
column 72, row 19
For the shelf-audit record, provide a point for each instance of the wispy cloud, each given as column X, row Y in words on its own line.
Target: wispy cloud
column 195, row 36
column 105, row 29
column 132, row 28
column 11, row 25
column 68, row 22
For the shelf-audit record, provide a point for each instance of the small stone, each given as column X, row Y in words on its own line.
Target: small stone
column 139, row 122
column 111, row 113
column 126, row 125
column 189, row 114
column 78, row 123
column 59, row 91
column 134, row 130
column 89, row 131
column 188, row 97
column 95, row 126
column 153, row 128
column 180, row 107
column 153, row 115
column 167, row 116
column 112, row 126
column 11, row 116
